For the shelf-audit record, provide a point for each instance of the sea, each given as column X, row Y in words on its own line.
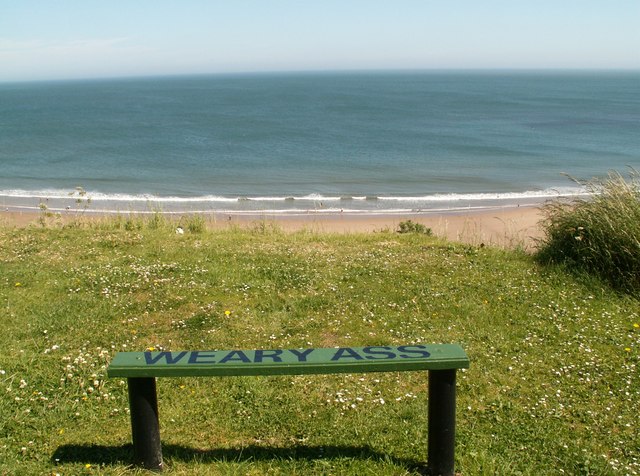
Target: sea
column 327, row 142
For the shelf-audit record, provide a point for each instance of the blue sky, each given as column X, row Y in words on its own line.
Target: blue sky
column 62, row 39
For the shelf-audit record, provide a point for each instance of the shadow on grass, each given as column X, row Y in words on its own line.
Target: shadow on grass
column 101, row 454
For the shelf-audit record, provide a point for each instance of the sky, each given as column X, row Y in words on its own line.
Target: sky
column 73, row 39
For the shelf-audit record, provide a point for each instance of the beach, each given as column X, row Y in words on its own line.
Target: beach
column 507, row 226
column 470, row 155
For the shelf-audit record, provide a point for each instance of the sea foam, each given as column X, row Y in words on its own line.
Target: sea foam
column 96, row 201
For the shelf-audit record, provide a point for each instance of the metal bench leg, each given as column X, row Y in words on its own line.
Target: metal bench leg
column 442, row 422
column 145, row 426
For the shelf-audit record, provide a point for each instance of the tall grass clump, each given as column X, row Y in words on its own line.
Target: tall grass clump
column 599, row 234
column 194, row 223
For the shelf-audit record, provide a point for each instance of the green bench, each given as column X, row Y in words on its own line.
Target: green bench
column 441, row 360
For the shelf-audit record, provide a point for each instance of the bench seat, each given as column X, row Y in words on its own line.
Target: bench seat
column 288, row 361
column 441, row 361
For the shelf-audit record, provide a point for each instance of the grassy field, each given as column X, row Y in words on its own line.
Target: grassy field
column 553, row 386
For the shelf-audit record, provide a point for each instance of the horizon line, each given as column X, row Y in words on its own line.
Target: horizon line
column 276, row 72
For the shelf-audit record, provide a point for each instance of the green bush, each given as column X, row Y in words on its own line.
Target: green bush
column 409, row 226
column 599, row 234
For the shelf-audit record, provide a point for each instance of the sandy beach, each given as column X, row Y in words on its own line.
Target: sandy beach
column 508, row 227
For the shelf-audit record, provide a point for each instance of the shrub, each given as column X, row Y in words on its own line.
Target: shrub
column 599, row 234
column 409, row 226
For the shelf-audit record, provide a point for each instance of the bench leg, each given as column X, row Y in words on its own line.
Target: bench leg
column 442, row 422
column 145, row 426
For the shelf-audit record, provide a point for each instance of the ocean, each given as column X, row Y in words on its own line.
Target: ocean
column 356, row 142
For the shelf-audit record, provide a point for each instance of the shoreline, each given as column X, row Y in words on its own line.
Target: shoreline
column 508, row 226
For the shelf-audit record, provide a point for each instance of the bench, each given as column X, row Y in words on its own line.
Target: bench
column 441, row 360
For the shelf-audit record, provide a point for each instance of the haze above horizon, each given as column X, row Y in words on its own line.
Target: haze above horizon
column 91, row 39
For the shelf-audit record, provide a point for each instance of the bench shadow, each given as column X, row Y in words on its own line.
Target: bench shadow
column 123, row 454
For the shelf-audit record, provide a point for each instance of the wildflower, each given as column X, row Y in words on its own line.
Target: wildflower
column 636, row 325
column 18, row 285
column 628, row 349
column 88, row 466
column 179, row 231
column 227, row 313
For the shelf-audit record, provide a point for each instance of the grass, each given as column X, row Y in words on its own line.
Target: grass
column 600, row 234
column 553, row 385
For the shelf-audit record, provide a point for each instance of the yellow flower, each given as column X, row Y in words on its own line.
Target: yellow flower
column 61, row 431
column 18, row 285
column 87, row 466
column 636, row 325
column 227, row 313
column 628, row 349
column 151, row 349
